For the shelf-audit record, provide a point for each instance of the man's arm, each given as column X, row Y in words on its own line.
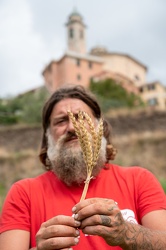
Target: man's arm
column 155, row 220
column 15, row 239
column 150, row 236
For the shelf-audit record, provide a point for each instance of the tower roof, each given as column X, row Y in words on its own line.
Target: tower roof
column 75, row 13
column 75, row 16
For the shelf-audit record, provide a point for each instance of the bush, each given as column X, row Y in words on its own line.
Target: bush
column 163, row 184
column 24, row 108
column 112, row 95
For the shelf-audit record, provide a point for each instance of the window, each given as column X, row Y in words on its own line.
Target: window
column 90, row 65
column 137, row 77
column 141, row 89
column 78, row 77
column 81, row 34
column 153, row 102
column 71, row 33
column 151, row 87
column 78, row 63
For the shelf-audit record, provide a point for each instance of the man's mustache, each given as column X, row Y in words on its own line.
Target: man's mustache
column 68, row 136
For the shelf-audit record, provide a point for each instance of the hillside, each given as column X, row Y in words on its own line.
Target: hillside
column 139, row 137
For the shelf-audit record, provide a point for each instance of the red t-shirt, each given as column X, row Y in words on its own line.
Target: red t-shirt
column 35, row 200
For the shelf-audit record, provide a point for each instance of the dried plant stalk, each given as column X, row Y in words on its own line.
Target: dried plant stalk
column 90, row 142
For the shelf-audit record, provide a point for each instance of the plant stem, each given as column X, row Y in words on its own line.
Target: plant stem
column 85, row 188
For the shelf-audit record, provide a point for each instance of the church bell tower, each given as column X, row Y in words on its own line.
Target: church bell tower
column 76, row 33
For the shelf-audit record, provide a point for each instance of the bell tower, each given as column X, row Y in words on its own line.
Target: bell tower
column 76, row 33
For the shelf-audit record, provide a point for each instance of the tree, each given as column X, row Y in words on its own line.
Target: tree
column 112, row 95
column 24, row 108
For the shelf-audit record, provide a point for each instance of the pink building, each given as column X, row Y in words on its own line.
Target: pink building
column 71, row 68
column 78, row 67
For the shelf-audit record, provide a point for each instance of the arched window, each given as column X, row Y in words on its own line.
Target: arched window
column 81, row 34
column 71, row 33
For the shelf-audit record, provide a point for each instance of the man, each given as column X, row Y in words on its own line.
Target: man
column 125, row 208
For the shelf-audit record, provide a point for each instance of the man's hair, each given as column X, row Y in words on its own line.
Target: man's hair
column 75, row 92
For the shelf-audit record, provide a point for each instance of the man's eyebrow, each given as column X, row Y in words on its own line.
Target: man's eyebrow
column 60, row 117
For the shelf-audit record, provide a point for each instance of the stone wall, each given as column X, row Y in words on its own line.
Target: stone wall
column 140, row 139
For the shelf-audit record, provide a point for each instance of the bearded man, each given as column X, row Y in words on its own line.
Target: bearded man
column 125, row 208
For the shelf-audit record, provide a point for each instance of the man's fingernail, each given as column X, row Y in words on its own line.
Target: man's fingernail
column 73, row 209
column 77, row 232
column 76, row 216
column 77, row 223
column 76, row 240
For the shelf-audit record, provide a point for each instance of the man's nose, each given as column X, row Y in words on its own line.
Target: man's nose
column 70, row 126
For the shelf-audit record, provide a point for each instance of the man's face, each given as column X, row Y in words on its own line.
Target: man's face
column 63, row 150
column 60, row 123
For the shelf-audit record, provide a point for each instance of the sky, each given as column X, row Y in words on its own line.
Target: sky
column 33, row 32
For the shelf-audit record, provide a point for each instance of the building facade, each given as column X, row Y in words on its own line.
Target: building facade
column 78, row 67
column 154, row 94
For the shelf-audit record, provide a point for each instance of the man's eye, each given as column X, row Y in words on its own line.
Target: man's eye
column 61, row 121
column 58, row 122
column 76, row 116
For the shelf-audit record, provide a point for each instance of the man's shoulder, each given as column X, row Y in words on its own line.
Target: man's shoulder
column 126, row 170
column 40, row 179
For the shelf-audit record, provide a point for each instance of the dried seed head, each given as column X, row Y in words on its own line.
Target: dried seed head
column 90, row 140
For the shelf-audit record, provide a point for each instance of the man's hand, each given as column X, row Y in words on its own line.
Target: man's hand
column 59, row 232
column 101, row 217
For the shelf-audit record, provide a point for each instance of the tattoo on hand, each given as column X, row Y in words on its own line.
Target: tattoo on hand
column 105, row 220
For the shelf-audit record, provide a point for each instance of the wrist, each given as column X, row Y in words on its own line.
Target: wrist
column 130, row 236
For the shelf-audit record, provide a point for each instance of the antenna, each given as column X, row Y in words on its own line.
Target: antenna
column 75, row 5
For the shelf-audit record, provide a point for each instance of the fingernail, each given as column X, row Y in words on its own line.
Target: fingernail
column 77, row 223
column 76, row 240
column 73, row 209
column 77, row 232
column 76, row 216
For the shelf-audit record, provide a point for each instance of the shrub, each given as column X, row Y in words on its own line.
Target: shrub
column 163, row 184
column 112, row 95
column 24, row 108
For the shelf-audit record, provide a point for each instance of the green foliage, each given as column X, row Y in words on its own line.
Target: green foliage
column 2, row 189
column 163, row 184
column 7, row 116
column 24, row 108
column 32, row 107
column 27, row 108
column 112, row 95
column 2, row 194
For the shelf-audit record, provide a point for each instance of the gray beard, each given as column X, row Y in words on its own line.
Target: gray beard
column 67, row 160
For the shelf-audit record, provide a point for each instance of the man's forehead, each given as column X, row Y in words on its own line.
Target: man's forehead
column 71, row 104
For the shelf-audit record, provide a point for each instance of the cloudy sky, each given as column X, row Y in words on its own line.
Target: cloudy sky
column 32, row 33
